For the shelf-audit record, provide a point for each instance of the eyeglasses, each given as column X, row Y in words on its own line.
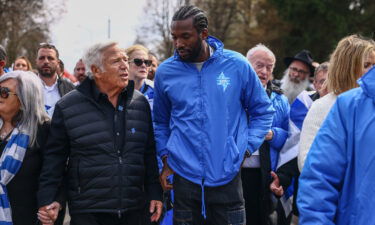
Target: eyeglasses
column 299, row 71
column 5, row 92
column 139, row 62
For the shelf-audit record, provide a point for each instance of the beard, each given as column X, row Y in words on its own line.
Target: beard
column 291, row 89
column 195, row 51
column 44, row 73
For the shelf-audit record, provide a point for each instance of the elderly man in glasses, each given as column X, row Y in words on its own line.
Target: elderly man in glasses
column 55, row 87
column 296, row 77
column 139, row 65
column 104, row 128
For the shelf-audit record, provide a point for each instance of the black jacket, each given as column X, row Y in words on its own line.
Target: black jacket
column 100, row 178
column 22, row 189
column 64, row 86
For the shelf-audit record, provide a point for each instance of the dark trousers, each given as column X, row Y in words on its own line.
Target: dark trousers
column 224, row 204
column 252, row 185
column 128, row 218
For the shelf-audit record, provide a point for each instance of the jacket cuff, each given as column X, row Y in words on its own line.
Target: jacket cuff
column 155, row 192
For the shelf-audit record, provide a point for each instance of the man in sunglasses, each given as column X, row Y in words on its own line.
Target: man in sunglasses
column 210, row 110
column 104, row 128
column 55, row 87
column 3, row 60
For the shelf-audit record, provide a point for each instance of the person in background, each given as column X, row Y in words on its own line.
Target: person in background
column 209, row 110
column 153, row 67
column 22, row 63
column 55, row 87
column 80, row 72
column 3, row 60
column 296, row 76
column 320, row 76
column 24, row 131
column 256, row 170
column 352, row 58
column 336, row 183
column 63, row 73
column 139, row 65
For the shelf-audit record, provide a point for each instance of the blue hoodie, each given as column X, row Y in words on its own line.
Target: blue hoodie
column 337, row 183
column 200, row 117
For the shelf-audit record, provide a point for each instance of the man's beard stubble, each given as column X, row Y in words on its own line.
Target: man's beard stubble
column 291, row 89
column 46, row 74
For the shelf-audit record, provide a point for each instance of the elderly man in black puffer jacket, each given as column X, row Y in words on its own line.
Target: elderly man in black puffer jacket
column 104, row 128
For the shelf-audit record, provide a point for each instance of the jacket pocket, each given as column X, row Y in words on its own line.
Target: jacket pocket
column 78, row 176
column 232, row 155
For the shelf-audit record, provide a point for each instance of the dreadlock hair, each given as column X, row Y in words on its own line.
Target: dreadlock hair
column 200, row 20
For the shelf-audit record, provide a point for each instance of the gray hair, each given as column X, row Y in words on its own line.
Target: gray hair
column 260, row 47
column 322, row 67
column 29, row 91
column 94, row 56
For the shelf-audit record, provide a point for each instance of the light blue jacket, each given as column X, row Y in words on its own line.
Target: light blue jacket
column 200, row 118
column 337, row 184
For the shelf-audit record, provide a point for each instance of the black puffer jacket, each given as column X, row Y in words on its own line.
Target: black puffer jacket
column 100, row 177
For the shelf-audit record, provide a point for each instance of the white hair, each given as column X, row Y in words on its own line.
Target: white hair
column 291, row 89
column 94, row 56
column 29, row 91
column 260, row 47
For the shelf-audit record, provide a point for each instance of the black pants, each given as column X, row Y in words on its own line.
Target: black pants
column 128, row 218
column 252, row 185
column 224, row 204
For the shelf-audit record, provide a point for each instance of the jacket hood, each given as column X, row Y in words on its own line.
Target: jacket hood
column 367, row 83
column 213, row 42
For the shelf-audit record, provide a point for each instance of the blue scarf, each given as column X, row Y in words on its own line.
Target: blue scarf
column 11, row 161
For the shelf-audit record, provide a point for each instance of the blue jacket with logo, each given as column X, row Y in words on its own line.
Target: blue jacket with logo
column 337, row 183
column 200, row 118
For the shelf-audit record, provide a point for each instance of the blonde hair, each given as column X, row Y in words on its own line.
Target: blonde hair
column 28, row 63
column 347, row 62
column 129, row 51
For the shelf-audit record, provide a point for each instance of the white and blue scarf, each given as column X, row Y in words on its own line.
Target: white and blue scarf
column 11, row 161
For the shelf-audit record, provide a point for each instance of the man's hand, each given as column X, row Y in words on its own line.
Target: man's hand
column 164, row 175
column 48, row 214
column 269, row 135
column 275, row 185
column 156, row 208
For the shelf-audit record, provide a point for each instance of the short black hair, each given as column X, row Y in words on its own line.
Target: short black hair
column 200, row 20
column 49, row 46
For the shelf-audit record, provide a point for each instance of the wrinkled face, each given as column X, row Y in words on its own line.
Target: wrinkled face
column 319, row 81
column 263, row 65
column 298, row 71
column 186, row 39
column 9, row 102
column 138, row 72
column 46, row 62
column 21, row 64
column 153, row 67
column 80, row 71
column 115, row 73
column 369, row 62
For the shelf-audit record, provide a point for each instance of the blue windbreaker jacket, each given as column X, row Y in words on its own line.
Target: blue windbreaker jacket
column 337, row 183
column 200, row 118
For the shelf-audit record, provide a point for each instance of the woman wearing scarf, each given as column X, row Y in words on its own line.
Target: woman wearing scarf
column 24, row 126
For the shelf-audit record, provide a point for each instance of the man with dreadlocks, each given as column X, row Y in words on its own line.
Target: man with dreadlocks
column 210, row 110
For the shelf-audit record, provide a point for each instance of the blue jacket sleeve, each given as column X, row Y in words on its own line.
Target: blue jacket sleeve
column 280, row 130
column 322, row 176
column 161, row 116
column 259, row 107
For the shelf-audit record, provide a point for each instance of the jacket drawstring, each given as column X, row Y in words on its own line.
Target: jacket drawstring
column 203, row 202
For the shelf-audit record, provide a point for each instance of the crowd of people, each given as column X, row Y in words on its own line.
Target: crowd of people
column 206, row 137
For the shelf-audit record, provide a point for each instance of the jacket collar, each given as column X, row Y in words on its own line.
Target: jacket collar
column 367, row 83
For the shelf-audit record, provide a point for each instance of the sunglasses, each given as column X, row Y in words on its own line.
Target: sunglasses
column 139, row 62
column 5, row 92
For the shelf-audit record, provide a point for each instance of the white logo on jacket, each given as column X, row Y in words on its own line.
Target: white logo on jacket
column 222, row 80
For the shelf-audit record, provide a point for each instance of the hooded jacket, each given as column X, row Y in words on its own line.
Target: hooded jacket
column 337, row 181
column 201, row 118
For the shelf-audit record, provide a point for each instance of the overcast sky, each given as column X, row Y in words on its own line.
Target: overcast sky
column 85, row 22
